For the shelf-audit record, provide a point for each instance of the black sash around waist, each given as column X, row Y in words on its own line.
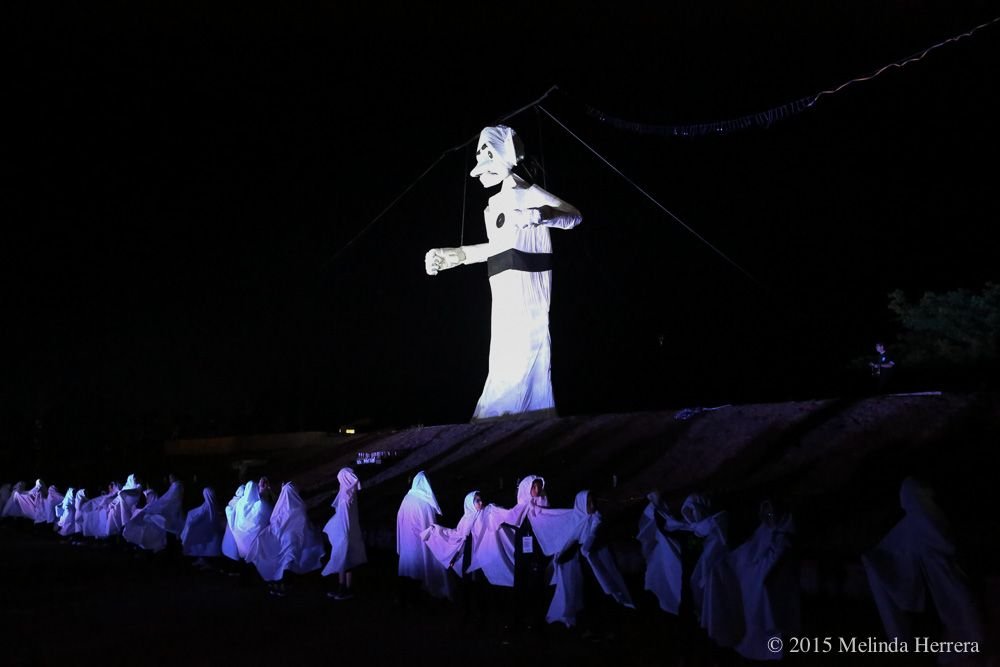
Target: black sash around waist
column 519, row 260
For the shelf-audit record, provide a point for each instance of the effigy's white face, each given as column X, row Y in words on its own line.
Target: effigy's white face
column 492, row 169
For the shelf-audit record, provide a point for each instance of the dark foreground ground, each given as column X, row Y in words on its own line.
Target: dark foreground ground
column 107, row 605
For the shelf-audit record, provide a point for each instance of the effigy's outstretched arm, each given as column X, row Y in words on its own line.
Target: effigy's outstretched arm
column 440, row 259
column 535, row 206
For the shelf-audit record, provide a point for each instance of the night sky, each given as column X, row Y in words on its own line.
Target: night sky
column 187, row 180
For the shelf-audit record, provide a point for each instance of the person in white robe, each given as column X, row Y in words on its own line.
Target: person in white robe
column 66, row 524
column 768, row 574
column 290, row 543
column 49, row 501
column 715, row 590
column 163, row 515
column 78, row 501
column 124, row 505
column 662, row 553
column 571, row 537
column 343, row 530
column 518, row 253
column 26, row 504
column 416, row 514
column 229, row 548
column 493, row 549
column 448, row 545
column 529, row 561
column 203, row 529
column 11, row 508
column 251, row 516
column 93, row 514
column 916, row 563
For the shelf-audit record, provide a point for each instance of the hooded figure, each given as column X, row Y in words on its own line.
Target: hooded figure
column 290, row 541
column 229, row 548
column 518, row 253
column 495, row 529
column 49, row 505
column 124, row 506
column 250, row 516
column 347, row 544
column 448, row 544
column 26, row 504
column 148, row 528
column 416, row 514
column 568, row 535
column 768, row 575
column 714, row 587
column 204, row 527
column 94, row 513
column 915, row 558
column 67, row 514
column 10, row 506
column 78, row 501
column 664, row 567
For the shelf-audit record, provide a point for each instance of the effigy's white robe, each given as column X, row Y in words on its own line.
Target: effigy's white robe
column 149, row 526
column 290, row 542
column 347, row 545
column 520, row 363
column 915, row 561
column 769, row 585
column 416, row 514
column 203, row 529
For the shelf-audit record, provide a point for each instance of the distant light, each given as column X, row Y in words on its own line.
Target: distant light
column 349, row 431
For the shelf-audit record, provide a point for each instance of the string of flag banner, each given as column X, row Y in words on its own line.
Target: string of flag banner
column 761, row 119
column 767, row 118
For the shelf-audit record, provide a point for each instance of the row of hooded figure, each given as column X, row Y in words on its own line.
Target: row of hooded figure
column 528, row 547
column 274, row 535
column 137, row 514
column 741, row 597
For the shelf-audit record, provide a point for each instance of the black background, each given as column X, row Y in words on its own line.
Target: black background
column 187, row 178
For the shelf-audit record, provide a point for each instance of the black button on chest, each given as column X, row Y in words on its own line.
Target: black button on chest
column 500, row 220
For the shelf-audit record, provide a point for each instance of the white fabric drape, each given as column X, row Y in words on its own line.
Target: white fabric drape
column 769, row 587
column 448, row 544
column 557, row 530
column 250, row 516
column 347, row 545
column 149, row 526
column 664, row 569
column 67, row 515
column 229, row 547
column 916, row 558
column 416, row 514
column 290, row 542
column 203, row 528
